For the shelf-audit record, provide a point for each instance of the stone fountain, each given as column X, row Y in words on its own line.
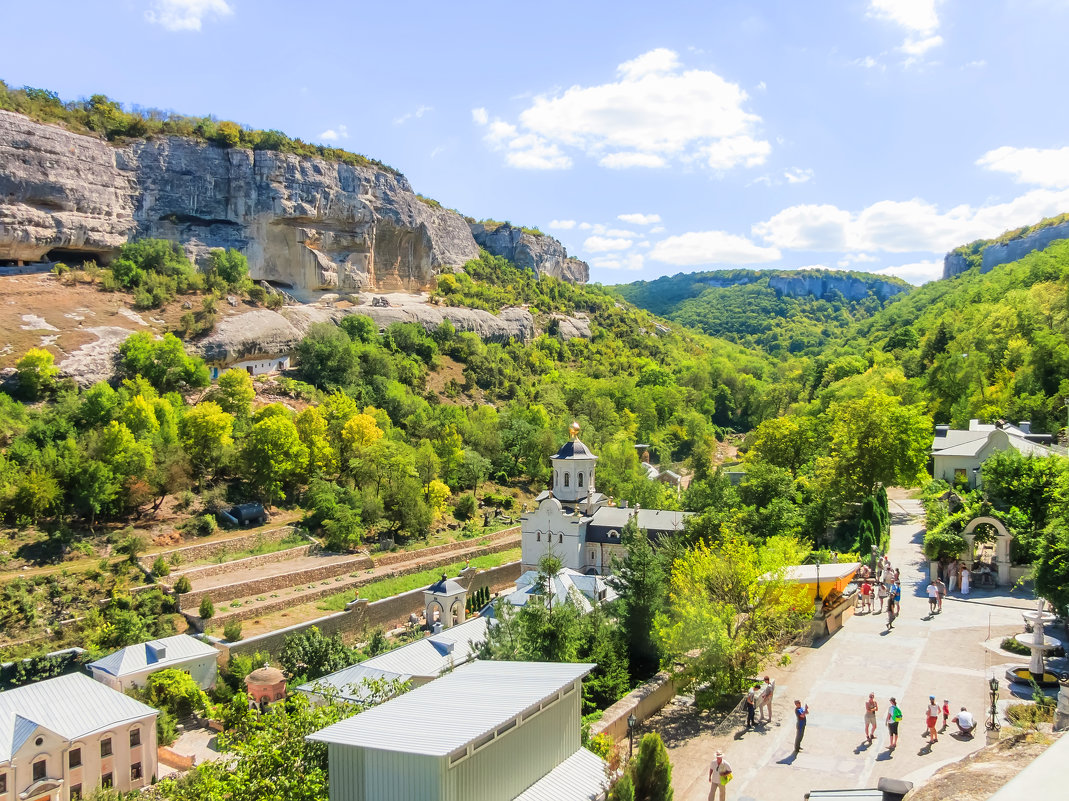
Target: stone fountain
column 1039, row 644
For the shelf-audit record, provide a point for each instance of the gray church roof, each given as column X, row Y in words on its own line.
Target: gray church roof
column 613, row 518
column 446, row 586
column 574, row 449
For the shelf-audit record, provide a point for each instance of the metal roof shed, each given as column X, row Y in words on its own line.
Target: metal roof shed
column 485, row 732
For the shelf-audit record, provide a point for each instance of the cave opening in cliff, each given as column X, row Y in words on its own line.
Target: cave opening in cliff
column 72, row 257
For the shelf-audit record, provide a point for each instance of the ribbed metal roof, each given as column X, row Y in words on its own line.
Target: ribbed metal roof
column 72, row 706
column 581, row 777
column 574, row 449
column 568, row 583
column 428, row 657
column 147, row 655
column 453, row 711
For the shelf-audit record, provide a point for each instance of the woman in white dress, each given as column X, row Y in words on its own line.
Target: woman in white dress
column 965, row 575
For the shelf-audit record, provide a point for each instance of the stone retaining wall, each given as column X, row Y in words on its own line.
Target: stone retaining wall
column 451, row 547
column 207, row 550
column 352, row 623
column 644, row 701
column 172, row 759
column 206, row 571
column 222, row 618
column 247, row 589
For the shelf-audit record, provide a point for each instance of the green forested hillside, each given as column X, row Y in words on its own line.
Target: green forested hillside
column 740, row 306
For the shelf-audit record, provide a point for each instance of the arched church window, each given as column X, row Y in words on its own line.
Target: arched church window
column 538, row 536
column 580, row 479
column 566, row 479
column 560, row 539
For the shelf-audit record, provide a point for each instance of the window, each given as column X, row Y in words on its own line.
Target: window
column 560, row 539
column 135, row 771
column 105, row 747
column 74, row 758
column 135, row 737
column 580, row 479
column 566, row 479
column 39, row 741
column 3, row 782
column 538, row 536
column 76, row 792
column 106, row 781
column 39, row 769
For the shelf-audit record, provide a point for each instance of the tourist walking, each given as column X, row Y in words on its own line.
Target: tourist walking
column 965, row 576
column 896, row 596
column 751, row 705
column 871, row 707
column 933, row 596
column 931, row 719
column 946, row 714
column 881, row 593
column 891, row 611
column 866, row 597
column 719, row 776
column 800, row 714
column 894, row 717
column 939, row 585
column 767, row 692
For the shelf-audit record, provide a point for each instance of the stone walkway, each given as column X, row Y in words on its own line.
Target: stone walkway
column 942, row 656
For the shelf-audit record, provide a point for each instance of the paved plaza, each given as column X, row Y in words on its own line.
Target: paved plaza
column 944, row 656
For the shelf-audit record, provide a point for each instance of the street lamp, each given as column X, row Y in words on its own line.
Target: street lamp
column 818, row 578
column 631, row 721
column 992, row 721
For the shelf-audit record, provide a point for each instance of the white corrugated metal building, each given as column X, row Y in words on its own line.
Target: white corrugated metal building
column 63, row 737
column 489, row 731
column 131, row 666
column 418, row 662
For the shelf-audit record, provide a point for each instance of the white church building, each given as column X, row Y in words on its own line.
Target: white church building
column 578, row 524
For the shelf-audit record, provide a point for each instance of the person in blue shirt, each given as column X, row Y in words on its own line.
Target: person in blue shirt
column 801, row 713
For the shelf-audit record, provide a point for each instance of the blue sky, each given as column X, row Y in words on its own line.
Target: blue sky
column 861, row 134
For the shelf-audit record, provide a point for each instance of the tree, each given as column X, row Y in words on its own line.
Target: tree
column 274, row 457
column 313, row 431
column 473, row 470
column 651, row 770
column 207, row 608
column 465, row 508
column 37, row 372
column 874, row 440
column 231, row 266
column 234, row 393
column 310, row 654
column 639, row 580
column 175, row 691
column 183, row 585
column 327, row 357
column 730, row 605
column 205, row 434
column 786, row 442
column 232, row 630
column 164, row 363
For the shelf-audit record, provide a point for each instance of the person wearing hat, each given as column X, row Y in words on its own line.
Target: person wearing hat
column 931, row 719
column 722, row 771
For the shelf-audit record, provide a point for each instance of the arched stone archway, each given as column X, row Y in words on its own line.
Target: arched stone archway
column 1002, row 544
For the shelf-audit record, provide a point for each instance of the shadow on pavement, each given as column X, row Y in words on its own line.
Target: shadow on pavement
column 789, row 759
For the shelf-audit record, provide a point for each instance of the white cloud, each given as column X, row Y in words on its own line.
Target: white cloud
column 562, row 225
column 186, row 15
column 919, row 272
column 868, row 62
column 761, row 86
column 622, row 161
column 798, row 175
column 639, row 219
column 904, row 226
column 1029, row 165
column 709, row 247
column 622, row 261
column 415, row 115
column 657, row 229
column 585, row 226
column 523, row 151
column 656, row 111
column 333, row 135
column 920, row 19
column 600, row 244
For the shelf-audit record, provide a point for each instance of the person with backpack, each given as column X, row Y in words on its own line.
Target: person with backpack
column 894, row 717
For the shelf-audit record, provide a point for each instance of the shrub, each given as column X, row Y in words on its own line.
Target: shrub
column 166, row 728
column 207, row 608
column 160, row 568
column 1029, row 716
column 232, row 631
column 200, row 526
column 465, row 508
column 183, row 585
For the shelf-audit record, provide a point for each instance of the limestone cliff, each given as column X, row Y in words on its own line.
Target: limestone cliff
column 820, row 284
column 992, row 254
column 305, row 222
column 542, row 254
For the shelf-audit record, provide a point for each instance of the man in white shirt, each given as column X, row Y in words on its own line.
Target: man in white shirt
column 719, row 776
column 965, row 722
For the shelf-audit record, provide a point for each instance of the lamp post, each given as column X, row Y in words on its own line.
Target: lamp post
column 992, row 721
column 631, row 735
column 818, row 578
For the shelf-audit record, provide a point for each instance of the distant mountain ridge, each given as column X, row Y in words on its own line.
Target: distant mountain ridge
column 1010, row 246
column 775, row 310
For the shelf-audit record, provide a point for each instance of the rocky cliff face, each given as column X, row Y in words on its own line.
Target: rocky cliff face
column 307, row 223
column 821, row 285
column 1003, row 253
column 542, row 254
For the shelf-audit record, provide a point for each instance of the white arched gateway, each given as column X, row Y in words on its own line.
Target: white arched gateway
column 1002, row 545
